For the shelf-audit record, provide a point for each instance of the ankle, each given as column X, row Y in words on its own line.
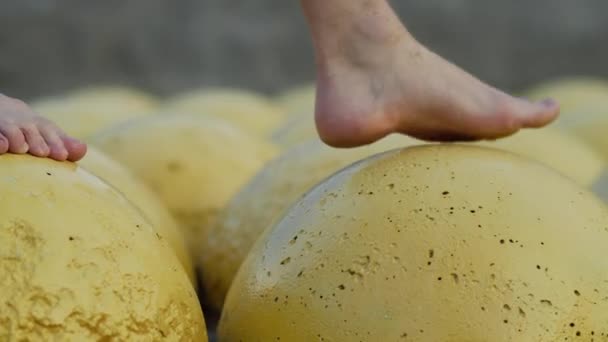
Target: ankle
column 376, row 26
column 352, row 28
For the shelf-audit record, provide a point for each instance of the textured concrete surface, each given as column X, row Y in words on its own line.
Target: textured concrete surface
column 165, row 46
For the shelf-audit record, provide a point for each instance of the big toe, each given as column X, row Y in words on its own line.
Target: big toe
column 76, row 149
column 536, row 114
column 512, row 114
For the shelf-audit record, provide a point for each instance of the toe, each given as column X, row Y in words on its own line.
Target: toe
column 16, row 139
column 58, row 150
column 76, row 149
column 33, row 138
column 545, row 112
column 3, row 144
column 509, row 115
column 535, row 115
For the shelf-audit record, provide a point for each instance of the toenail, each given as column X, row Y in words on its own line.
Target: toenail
column 548, row 102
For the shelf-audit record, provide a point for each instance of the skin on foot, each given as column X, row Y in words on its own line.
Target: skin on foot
column 374, row 78
column 23, row 131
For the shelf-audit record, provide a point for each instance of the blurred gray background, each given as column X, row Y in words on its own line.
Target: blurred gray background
column 165, row 46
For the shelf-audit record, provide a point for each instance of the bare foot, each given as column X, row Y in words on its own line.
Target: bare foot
column 374, row 79
column 23, row 131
